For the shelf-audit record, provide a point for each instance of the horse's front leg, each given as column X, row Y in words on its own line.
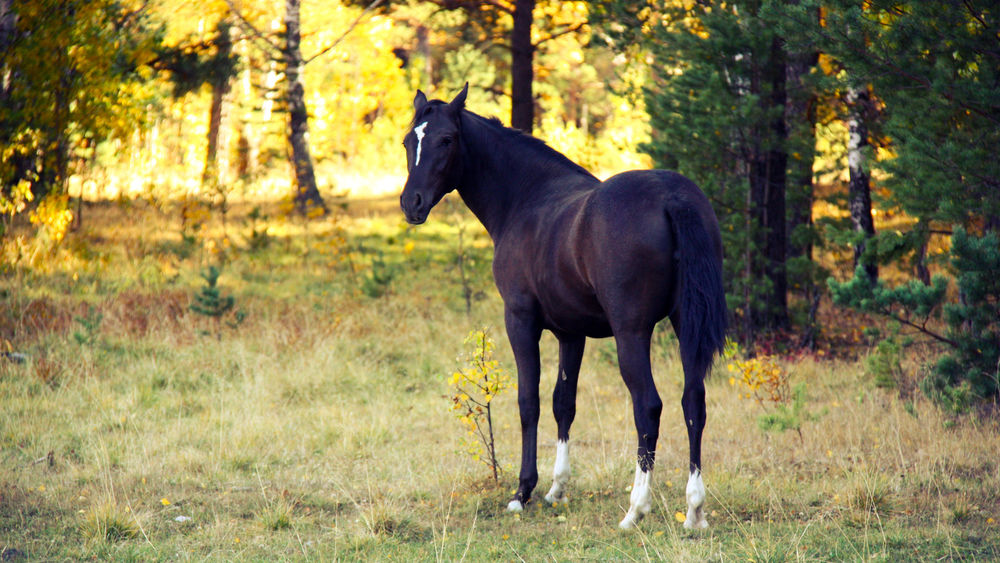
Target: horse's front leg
column 523, row 333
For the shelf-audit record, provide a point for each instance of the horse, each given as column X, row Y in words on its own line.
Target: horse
column 581, row 258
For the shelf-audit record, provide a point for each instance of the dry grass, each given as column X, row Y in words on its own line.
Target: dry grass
column 318, row 428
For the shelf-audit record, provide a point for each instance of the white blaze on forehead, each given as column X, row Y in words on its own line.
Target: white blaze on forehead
column 419, row 132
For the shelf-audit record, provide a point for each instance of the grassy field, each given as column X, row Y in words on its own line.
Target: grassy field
column 319, row 429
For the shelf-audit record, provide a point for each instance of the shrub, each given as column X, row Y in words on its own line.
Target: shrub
column 473, row 389
column 967, row 371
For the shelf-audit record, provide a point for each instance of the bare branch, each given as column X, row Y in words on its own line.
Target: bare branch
column 471, row 5
column 266, row 43
column 371, row 6
column 565, row 31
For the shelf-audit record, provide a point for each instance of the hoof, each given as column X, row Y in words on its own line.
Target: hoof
column 696, row 503
column 629, row 521
column 515, row 506
column 555, row 495
column 692, row 524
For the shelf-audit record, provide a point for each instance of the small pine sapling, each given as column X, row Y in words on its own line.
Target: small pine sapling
column 258, row 239
column 210, row 302
column 377, row 281
column 90, row 323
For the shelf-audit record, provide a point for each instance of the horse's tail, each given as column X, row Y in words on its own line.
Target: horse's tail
column 703, row 312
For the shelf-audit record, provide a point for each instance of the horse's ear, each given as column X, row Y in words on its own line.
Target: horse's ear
column 459, row 101
column 419, row 100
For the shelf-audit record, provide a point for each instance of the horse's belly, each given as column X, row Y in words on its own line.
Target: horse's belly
column 575, row 318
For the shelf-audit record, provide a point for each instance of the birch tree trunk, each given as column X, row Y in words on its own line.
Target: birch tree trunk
column 859, row 190
column 307, row 197
column 8, row 27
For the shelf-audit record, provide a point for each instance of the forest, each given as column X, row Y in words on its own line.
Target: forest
column 220, row 340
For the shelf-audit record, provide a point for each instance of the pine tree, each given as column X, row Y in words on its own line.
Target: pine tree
column 716, row 106
column 934, row 68
column 210, row 302
column 970, row 367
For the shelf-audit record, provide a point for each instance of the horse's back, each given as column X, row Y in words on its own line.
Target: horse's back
column 646, row 196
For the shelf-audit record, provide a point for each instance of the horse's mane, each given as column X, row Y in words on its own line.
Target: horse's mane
column 518, row 138
column 512, row 137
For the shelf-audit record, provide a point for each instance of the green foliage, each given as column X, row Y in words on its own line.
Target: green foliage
column 912, row 303
column 969, row 369
column 378, row 279
column 884, row 364
column 933, row 69
column 210, row 302
column 788, row 415
column 195, row 63
column 91, row 325
column 473, row 389
column 974, row 324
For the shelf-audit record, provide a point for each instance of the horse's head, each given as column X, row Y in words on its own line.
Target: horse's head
column 432, row 154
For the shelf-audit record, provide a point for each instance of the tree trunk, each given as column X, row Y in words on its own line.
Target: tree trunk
column 777, row 160
column 522, row 109
column 424, row 48
column 8, row 27
column 307, row 197
column 220, row 89
column 859, row 190
column 767, row 184
column 800, row 116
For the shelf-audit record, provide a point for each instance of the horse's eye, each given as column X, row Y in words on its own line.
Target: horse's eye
column 445, row 141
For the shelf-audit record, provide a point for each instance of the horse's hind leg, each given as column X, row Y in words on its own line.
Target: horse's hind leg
column 564, row 409
column 693, row 403
column 633, row 360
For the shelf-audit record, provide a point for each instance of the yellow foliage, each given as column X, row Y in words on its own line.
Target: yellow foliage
column 53, row 217
column 762, row 377
column 472, row 392
column 15, row 202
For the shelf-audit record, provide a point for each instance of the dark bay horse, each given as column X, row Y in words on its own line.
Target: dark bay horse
column 581, row 258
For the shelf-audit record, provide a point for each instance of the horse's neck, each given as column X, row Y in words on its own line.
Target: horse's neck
column 503, row 175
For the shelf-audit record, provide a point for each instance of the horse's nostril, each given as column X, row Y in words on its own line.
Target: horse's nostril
column 417, row 200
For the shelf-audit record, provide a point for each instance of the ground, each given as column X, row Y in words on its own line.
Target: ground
column 319, row 428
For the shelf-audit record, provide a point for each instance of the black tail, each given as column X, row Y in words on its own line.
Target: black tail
column 703, row 312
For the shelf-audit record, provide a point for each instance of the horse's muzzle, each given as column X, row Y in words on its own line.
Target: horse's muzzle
column 415, row 207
